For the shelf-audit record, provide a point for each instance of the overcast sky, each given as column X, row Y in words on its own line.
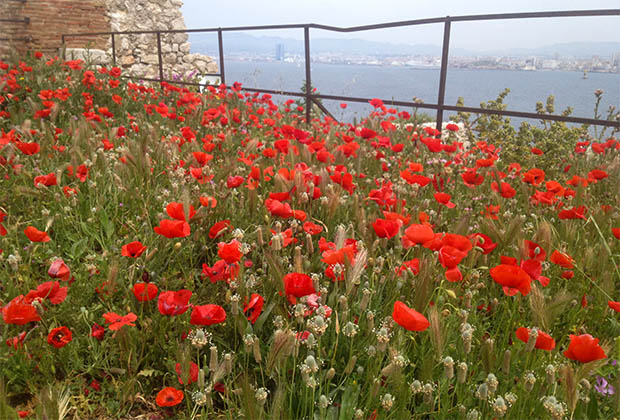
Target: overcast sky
column 471, row 35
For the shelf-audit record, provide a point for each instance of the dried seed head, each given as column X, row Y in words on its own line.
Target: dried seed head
column 261, row 395
column 492, row 383
column 482, row 392
column 387, row 401
column 550, row 371
column 324, row 402
column 528, row 381
column 461, row 372
column 510, row 398
column 350, row 329
column 416, row 387
column 555, row 408
column 499, row 407
column 448, row 367
column 531, row 342
column 473, row 414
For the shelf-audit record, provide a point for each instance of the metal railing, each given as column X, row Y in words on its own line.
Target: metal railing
column 314, row 98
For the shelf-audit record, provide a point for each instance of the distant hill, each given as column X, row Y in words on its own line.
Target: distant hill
column 238, row 42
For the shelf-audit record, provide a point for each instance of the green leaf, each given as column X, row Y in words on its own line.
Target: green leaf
column 349, row 402
column 78, row 248
column 106, row 224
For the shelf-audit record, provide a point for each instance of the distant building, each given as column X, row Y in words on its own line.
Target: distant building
column 279, row 52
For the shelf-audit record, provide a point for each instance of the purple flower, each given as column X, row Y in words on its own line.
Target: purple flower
column 603, row 387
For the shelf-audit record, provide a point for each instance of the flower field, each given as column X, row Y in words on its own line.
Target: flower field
column 171, row 254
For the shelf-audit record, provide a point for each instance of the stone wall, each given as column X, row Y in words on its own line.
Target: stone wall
column 136, row 54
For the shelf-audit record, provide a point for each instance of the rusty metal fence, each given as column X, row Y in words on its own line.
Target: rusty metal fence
column 314, row 98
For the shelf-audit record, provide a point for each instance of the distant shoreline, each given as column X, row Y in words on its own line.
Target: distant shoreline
column 381, row 65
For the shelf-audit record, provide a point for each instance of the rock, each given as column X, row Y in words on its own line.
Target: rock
column 150, row 59
column 127, row 60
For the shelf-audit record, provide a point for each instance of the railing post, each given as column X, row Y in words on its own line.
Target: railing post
column 308, row 76
column 221, row 47
column 161, row 66
column 444, row 71
column 113, row 51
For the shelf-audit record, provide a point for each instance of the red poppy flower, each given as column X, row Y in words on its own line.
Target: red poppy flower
column 49, row 290
column 19, row 312
column 534, row 251
column 219, row 228
column 298, row 285
column 278, row 208
column 385, row 228
column 221, row 270
column 133, row 249
column 229, row 252
column 97, row 331
column 174, row 303
column 207, row 315
column 172, row 228
column 117, row 321
column 59, row 337
column 367, row 133
column 254, row 307
column 169, row 397
column 444, row 198
column 234, row 181
column 418, row 234
column 2, row 228
column 482, row 241
column 449, row 256
column 614, row 305
column 47, row 180
column 574, row 213
column 177, row 211
column 145, row 292
column 584, row 348
column 616, row 232
column 191, row 375
column 512, row 276
column 16, row 342
column 561, row 259
column 314, row 229
column 409, row 318
column 534, row 176
column 36, row 235
column 59, row 270
column 543, row 342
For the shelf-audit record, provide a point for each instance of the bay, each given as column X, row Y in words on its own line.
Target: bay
column 405, row 83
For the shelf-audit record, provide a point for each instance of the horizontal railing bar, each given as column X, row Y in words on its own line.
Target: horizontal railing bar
column 528, row 115
column 497, row 16
column 534, row 15
column 21, row 38
column 532, row 115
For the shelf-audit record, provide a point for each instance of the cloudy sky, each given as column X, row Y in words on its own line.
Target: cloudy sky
column 472, row 35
